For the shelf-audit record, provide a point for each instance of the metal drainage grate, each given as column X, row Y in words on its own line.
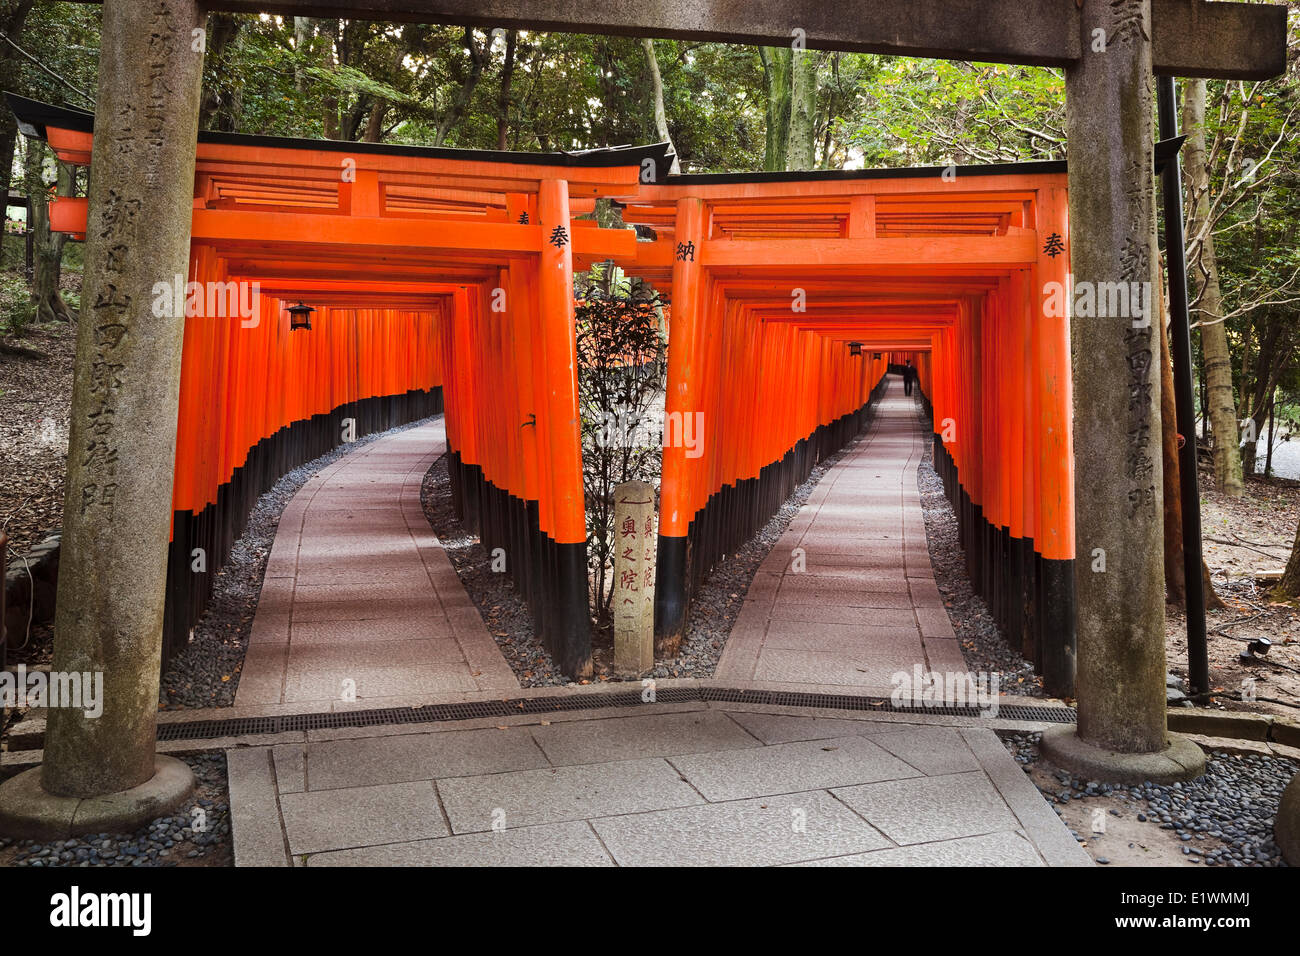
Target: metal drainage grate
column 436, row 713
column 1057, row 715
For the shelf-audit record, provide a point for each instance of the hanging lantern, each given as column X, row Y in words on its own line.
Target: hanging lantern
column 300, row 317
column 855, row 348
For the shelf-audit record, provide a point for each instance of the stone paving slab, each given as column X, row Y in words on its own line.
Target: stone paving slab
column 790, row 768
column 931, row 750
column 255, row 825
column 630, row 738
column 552, row 844
column 345, row 763
column 819, row 614
column 309, row 686
column 361, row 816
column 990, row 849
column 784, row 729
column 924, row 809
column 564, row 793
column 866, row 672
column 760, row 832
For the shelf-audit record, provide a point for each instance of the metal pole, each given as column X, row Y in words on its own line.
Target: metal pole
column 1180, row 346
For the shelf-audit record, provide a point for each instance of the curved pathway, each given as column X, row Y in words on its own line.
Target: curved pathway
column 359, row 594
column 358, row 587
column 847, row 598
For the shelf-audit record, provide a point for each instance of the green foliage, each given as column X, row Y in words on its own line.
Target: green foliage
column 934, row 112
column 17, row 311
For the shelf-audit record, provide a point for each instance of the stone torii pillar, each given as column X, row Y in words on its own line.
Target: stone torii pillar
column 102, row 773
column 1119, row 580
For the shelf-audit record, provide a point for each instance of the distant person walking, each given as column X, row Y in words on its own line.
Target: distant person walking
column 909, row 376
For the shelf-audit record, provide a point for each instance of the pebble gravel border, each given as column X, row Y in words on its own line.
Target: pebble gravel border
column 1233, row 804
column 982, row 643
column 185, row 838
column 205, row 673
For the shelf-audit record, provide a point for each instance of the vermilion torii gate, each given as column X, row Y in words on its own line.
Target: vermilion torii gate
column 418, row 260
column 147, row 109
column 773, row 274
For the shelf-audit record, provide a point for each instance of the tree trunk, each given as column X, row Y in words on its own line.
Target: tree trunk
column 1272, row 425
column 801, row 151
column 777, row 63
column 220, row 99
column 1205, row 273
column 661, row 115
column 460, row 103
column 503, row 97
column 1288, row 589
column 375, row 123
column 303, row 30
column 47, row 246
column 330, row 29
column 13, row 17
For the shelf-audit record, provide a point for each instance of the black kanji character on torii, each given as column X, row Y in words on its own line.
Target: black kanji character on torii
column 523, row 219
column 685, row 251
column 559, row 237
column 1054, row 246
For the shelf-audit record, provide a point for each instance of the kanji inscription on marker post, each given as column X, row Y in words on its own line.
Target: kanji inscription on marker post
column 634, row 578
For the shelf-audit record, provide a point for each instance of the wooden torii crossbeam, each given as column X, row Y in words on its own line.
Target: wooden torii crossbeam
column 1190, row 37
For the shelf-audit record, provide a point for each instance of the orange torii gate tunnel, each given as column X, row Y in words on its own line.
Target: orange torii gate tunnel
column 440, row 277
column 792, row 295
column 444, row 278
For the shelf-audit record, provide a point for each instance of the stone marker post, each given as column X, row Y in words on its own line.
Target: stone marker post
column 634, row 578
column 1119, row 570
column 122, row 446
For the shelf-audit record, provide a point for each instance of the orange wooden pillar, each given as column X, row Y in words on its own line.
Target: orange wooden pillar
column 680, row 405
column 1056, row 450
column 569, row 635
column 1016, row 372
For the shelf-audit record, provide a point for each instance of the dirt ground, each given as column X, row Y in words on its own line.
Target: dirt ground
column 35, row 395
column 1244, row 538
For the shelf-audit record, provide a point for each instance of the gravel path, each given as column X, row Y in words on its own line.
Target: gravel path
column 206, row 672
column 982, row 644
column 185, row 838
column 1224, row 818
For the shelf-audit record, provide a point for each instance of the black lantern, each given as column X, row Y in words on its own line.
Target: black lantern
column 300, row 317
column 855, row 348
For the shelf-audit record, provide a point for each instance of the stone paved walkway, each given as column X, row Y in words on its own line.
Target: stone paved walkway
column 670, row 784
column 861, row 604
column 358, row 589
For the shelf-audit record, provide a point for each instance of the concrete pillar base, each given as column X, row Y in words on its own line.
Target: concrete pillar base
column 1286, row 828
column 27, row 811
column 1181, row 760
